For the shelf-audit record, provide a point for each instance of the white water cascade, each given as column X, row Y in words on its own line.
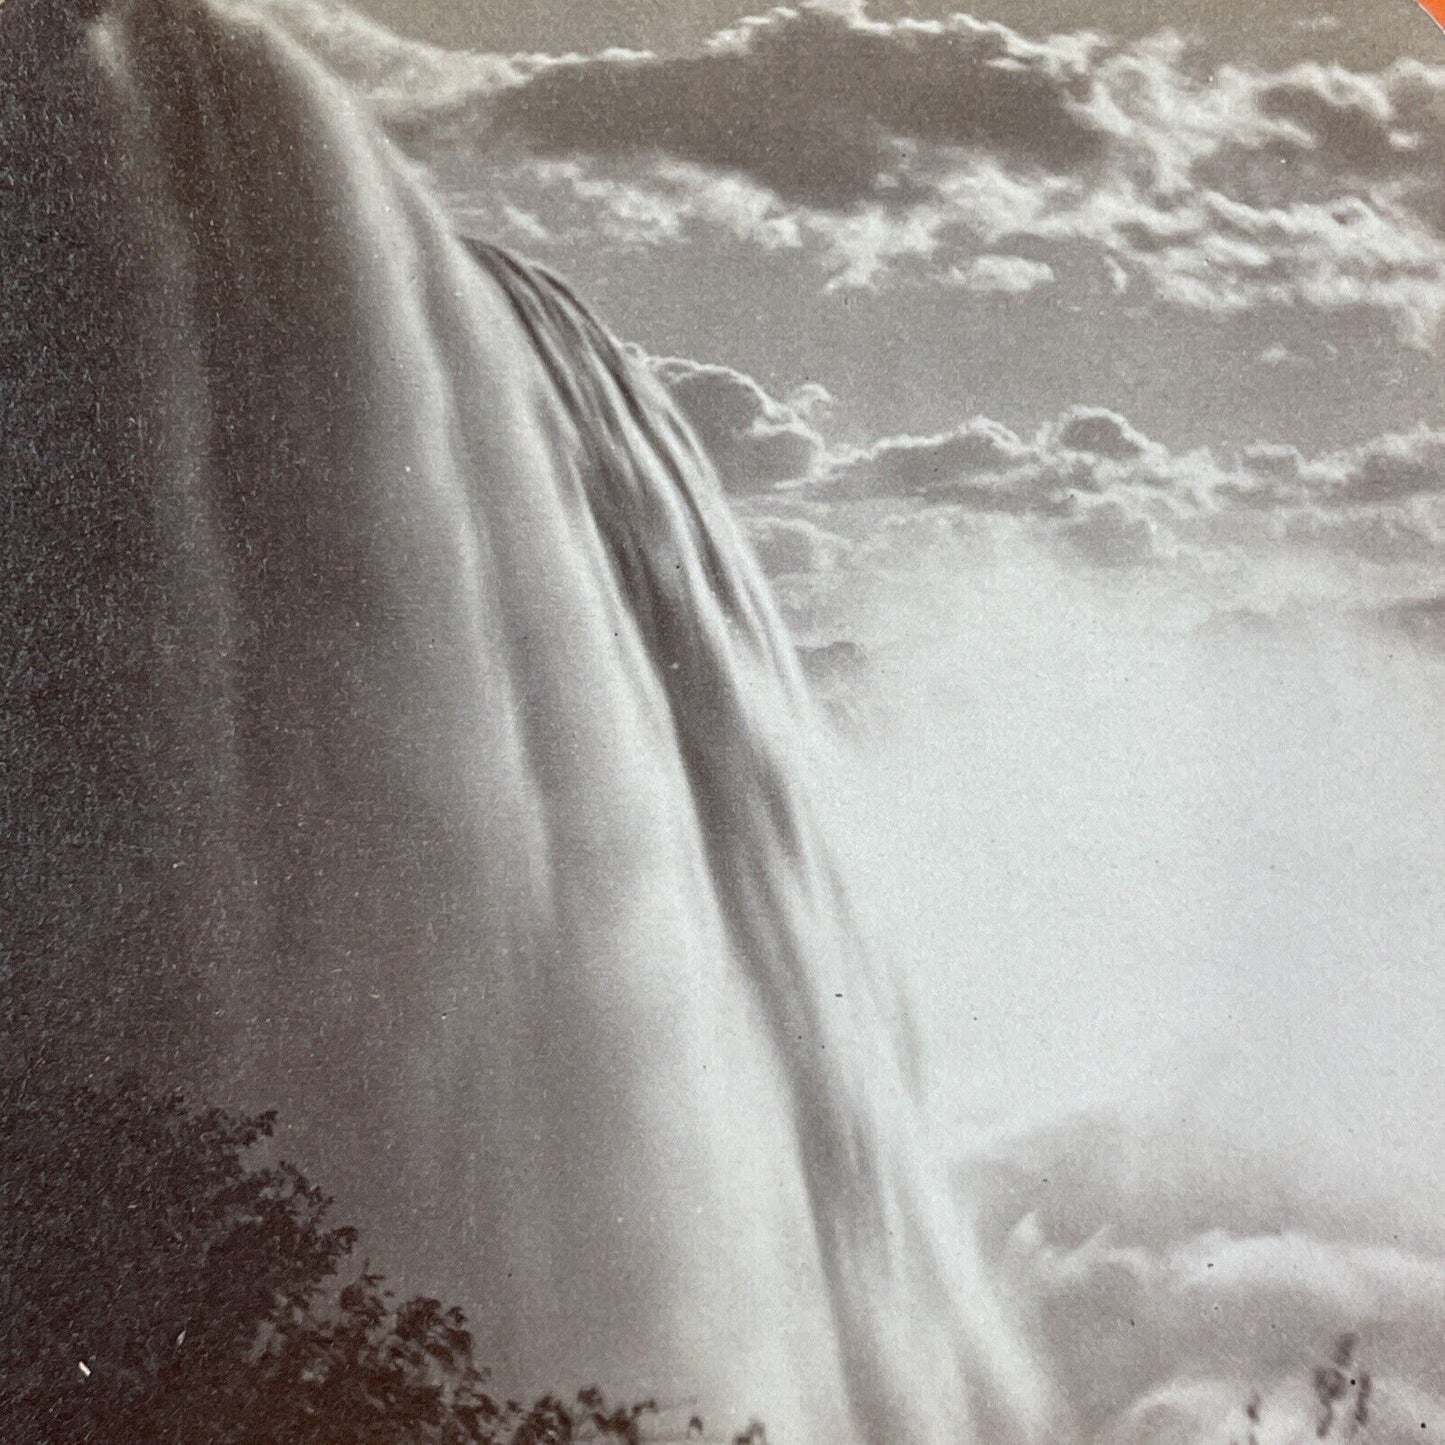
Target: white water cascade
column 401, row 737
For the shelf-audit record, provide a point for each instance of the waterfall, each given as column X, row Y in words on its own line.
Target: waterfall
column 397, row 733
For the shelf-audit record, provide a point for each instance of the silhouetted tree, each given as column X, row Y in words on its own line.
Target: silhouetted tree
column 159, row 1288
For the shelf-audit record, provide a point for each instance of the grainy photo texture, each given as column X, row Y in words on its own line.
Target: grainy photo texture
column 721, row 726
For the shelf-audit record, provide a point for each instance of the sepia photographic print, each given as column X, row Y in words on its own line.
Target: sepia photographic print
column 722, row 724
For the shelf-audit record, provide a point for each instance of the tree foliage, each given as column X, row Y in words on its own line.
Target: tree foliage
column 157, row 1287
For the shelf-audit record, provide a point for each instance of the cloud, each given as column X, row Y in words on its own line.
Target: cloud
column 822, row 109
column 1212, row 252
column 794, row 545
column 1100, row 433
column 945, row 467
column 984, row 466
column 1313, row 185
column 1325, row 130
column 1005, row 275
column 934, row 148
column 1112, row 497
column 1383, row 536
column 1088, row 485
column 754, row 440
column 1089, row 489
column 1392, row 468
column 1397, row 468
column 1421, row 619
column 1111, row 534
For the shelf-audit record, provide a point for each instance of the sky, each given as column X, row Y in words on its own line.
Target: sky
column 1288, row 29
column 1153, row 301
column 1086, row 371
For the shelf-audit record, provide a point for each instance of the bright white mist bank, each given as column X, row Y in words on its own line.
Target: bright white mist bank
column 1169, row 902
